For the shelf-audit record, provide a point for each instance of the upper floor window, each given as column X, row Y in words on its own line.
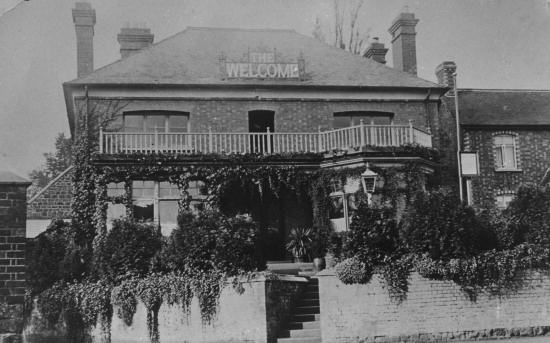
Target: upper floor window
column 505, row 151
column 353, row 118
column 503, row 200
column 160, row 121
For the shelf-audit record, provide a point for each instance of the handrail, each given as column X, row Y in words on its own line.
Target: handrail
column 123, row 142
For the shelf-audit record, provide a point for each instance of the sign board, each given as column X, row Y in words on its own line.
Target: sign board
column 469, row 162
column 263, row 65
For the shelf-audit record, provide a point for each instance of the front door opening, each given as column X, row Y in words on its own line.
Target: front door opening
column 259, row 122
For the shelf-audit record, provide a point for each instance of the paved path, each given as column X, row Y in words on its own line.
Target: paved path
column 541, row 339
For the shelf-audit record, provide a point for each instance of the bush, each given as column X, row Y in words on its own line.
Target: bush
column 373, row 234
column 53, row 256
column 438, row 224
column 336, row 244
column 128, row 249
column 211, row 241
column 353, row 270
column 529, row 216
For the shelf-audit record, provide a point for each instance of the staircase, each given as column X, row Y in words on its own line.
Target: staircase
column 304, row 325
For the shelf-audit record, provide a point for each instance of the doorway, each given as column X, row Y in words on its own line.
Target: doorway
column 258, row 122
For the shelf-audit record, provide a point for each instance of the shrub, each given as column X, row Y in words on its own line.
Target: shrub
column 373, row 234
column 211, row 241
column 128, row 248
column 438, row 224
column 320, row 241
column 336, row 244
column 53, row 256
column 353, row 270
column 529, row 215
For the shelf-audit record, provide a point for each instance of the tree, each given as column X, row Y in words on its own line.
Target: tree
column 56, row 162
column 347, row 33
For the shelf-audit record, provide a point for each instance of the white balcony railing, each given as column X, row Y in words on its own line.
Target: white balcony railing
column 262, row 142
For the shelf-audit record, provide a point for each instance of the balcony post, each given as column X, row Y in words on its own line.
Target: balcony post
column 319, row 140
column 411, row 131
column 101, row 139
column 210, row 145
column 268, row 140
column 362, row 132
column 156, row 140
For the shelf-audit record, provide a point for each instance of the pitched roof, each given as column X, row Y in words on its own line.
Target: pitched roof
column 191, row 57
column 7, row 177
column 503, row 107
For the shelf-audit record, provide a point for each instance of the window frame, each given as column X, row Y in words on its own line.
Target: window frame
column 505, row 194
column 502, row 149
column 166, row 119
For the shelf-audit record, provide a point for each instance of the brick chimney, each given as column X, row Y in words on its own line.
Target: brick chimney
column 376, row 51
column 404, row 42
column 84, row 21
column 444, row 73
column 133, row 39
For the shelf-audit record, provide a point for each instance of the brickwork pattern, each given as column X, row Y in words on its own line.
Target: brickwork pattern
column 12, row 259
column 54, row 202
column 434, row 311
column 533, row 161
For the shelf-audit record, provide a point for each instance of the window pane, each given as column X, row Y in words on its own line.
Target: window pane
column 341, row 122
column 508, row 157
column 155, row 121
column 142, row 189
column 168, row 190
column 144, row 210
column 178, row 123
column 498, row 157
column 168, row 212
column 115, row 189
column 504, row 200
column 115, row 211
column 133, row 122
column 504, row 140
column 336, row 207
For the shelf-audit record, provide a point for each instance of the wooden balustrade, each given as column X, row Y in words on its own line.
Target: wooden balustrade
column 262, row 142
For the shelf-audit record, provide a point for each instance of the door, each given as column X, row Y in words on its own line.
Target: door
column 259, row 122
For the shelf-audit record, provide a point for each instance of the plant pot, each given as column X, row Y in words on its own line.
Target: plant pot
column 319, row 264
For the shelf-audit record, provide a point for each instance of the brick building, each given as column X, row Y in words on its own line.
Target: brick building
column 238, row 91
column 510, row 131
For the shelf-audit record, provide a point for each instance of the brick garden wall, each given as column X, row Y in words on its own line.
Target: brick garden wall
column 253, row 316
column 12, row 258
column 434, row 311
column 532, row 154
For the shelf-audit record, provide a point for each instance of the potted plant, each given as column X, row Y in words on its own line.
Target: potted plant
column 319, row 247
column 299, row 243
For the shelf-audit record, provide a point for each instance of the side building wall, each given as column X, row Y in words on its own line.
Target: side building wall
column 533, row 159
column 433, row 311
column 53, row 202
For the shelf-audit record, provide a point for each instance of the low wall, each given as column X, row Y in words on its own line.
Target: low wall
column 253, row 316
column 434, row 311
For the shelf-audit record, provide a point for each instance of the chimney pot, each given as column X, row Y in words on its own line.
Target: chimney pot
column 445, row 73
column 376, row 51
column 404, row 42
column 84, row 20
column 134, row 39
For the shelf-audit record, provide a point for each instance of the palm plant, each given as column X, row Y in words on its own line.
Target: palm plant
column 299, row 242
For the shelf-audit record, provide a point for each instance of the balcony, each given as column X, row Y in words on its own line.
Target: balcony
column 353, row 137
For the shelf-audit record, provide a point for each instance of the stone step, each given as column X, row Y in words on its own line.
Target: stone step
column 307, row 302
column 304, row 325
column 299, row 340
column 306, row 310
column 310, row 295
column 306, row 317
column 301, row 333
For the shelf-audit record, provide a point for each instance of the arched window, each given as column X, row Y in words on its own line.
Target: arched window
column 161, row 121
column 505, row 151
column 503, row 200
column 353, row 118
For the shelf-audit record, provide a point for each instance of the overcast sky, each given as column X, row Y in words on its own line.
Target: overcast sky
column 496, row 44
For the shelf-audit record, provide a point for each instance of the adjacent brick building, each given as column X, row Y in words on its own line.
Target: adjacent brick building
column 13, row 197
column 510, row 131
